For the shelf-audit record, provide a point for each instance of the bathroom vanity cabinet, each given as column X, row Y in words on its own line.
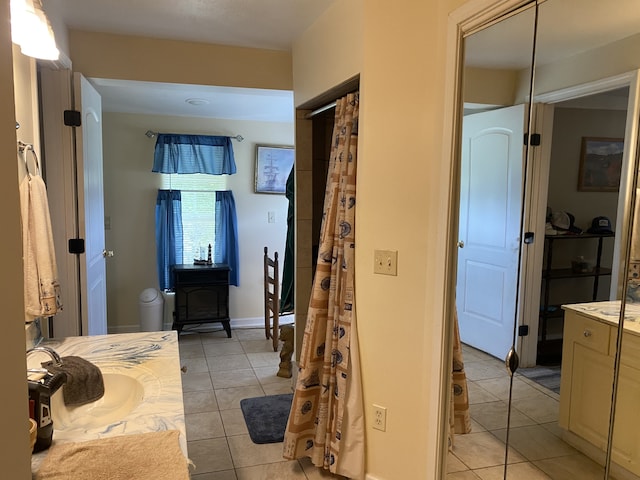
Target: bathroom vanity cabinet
column 201, row 295
column 590, row 336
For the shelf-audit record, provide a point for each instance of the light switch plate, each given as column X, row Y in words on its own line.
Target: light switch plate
column 385, row 262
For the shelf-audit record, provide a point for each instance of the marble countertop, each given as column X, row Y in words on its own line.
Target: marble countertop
column 609, row 312
column 150, row 357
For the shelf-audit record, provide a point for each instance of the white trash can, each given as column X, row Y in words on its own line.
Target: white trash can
column 151, row 310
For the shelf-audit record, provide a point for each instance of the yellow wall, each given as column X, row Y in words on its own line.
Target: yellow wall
column 14, row 441
column 126, row 57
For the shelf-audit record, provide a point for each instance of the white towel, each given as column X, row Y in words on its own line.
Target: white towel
column 41, row 287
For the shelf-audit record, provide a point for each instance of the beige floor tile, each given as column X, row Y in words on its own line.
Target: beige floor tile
column 226, row 475
column 230, row 397
column 228, row 362
column 189, row 339
column 477, row 394
column 572, row 467
column 234, row 378
column 194, row 365
column 536, row 443
column 277, row 471
column 480, row 450
column 190, row 350
column 205, row 425
column 219, row 349
column 315, row 473
column 199, row 401
column 538, row 406
column 211, row 455
column 500, row 387
column 264, row 359
column 468, row 475
column 454, row 464
column 244, row 334
column 483, row 370
column 493, row 416
column 218, row 335
column 233, row 422
column 257, row 346
column 515, row 471
column 268, row 375
column 245, row 453
column 278, row 388
column 192, row 382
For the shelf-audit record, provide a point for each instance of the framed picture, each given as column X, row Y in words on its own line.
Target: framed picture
column 600, row 164
column 273, row 165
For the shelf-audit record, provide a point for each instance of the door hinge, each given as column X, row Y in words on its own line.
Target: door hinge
column 535, row 139
column 523, row 330
column 76, row 245
column 529, row 237
column 72, row 118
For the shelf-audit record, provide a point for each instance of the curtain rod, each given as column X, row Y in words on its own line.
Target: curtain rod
column 152, row 134
column 320, row 110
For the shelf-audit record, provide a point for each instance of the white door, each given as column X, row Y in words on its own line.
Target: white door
column 93, row 285
column 489, row 228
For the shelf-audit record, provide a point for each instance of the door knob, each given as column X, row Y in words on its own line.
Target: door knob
column 107, row 253
column 460, row 244
column 512, row 361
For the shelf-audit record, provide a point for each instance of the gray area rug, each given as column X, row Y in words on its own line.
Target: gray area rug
column 266, row 417
column 548, row 377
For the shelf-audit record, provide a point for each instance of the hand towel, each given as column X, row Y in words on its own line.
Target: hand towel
column 144, row 456
column 83, row 384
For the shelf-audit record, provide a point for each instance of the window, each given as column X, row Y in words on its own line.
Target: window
column 198, row 210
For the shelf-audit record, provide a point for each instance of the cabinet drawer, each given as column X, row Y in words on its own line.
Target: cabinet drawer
column 588, row 332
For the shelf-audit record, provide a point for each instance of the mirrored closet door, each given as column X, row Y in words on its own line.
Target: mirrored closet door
column 585, row 95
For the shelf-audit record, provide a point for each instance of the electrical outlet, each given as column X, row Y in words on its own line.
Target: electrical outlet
column 385, row 262
column 271, row 217
column 379, row 418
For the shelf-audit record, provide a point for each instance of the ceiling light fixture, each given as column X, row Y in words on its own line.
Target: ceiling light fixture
column 30, row 28
column 197, row 101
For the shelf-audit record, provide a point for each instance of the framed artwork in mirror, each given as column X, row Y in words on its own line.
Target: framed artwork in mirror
column 273, row 165
column 600, row 164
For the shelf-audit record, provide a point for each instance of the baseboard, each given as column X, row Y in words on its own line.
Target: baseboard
column 236, row 323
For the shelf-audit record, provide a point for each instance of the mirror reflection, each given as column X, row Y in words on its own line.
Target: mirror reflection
column 578, row 195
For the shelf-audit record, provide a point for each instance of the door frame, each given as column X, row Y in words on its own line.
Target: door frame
column 537, row 190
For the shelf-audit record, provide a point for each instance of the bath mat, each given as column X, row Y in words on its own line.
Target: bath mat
column 266, row 417
column 548, row 377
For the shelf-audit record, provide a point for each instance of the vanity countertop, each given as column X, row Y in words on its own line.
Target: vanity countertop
column 150, row 357
column 609, row 312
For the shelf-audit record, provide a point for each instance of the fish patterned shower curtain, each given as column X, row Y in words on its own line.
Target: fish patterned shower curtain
column 326, row 422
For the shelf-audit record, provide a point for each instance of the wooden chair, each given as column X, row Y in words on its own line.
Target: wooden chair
column 271, row 297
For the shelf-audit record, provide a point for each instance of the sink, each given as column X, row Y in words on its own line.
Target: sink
column 122, row 394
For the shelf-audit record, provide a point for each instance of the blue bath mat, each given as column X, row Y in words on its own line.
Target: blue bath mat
column 266, row 417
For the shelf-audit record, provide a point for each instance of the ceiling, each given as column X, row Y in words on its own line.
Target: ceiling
column 268, row 24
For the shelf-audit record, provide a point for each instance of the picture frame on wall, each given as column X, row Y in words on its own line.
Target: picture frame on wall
column 600, row 164
column 273, row 165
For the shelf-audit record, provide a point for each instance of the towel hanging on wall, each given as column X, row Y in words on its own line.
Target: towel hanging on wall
column 41, row 286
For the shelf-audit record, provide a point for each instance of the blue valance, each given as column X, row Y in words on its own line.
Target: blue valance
column 194, row 154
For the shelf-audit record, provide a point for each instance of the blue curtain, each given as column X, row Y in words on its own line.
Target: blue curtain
column 193, row 154
column 226, row 245
column 168, row 234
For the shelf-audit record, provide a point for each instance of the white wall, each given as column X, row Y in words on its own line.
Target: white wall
column 130, row 194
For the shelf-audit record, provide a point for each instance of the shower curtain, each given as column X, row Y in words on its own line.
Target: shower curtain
column 326, row 422
column 459, row 418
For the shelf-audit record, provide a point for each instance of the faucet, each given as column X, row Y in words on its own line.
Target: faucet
column 49, row 351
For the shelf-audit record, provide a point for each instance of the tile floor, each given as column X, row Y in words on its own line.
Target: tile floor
column 536, row 450
column 220, row 372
